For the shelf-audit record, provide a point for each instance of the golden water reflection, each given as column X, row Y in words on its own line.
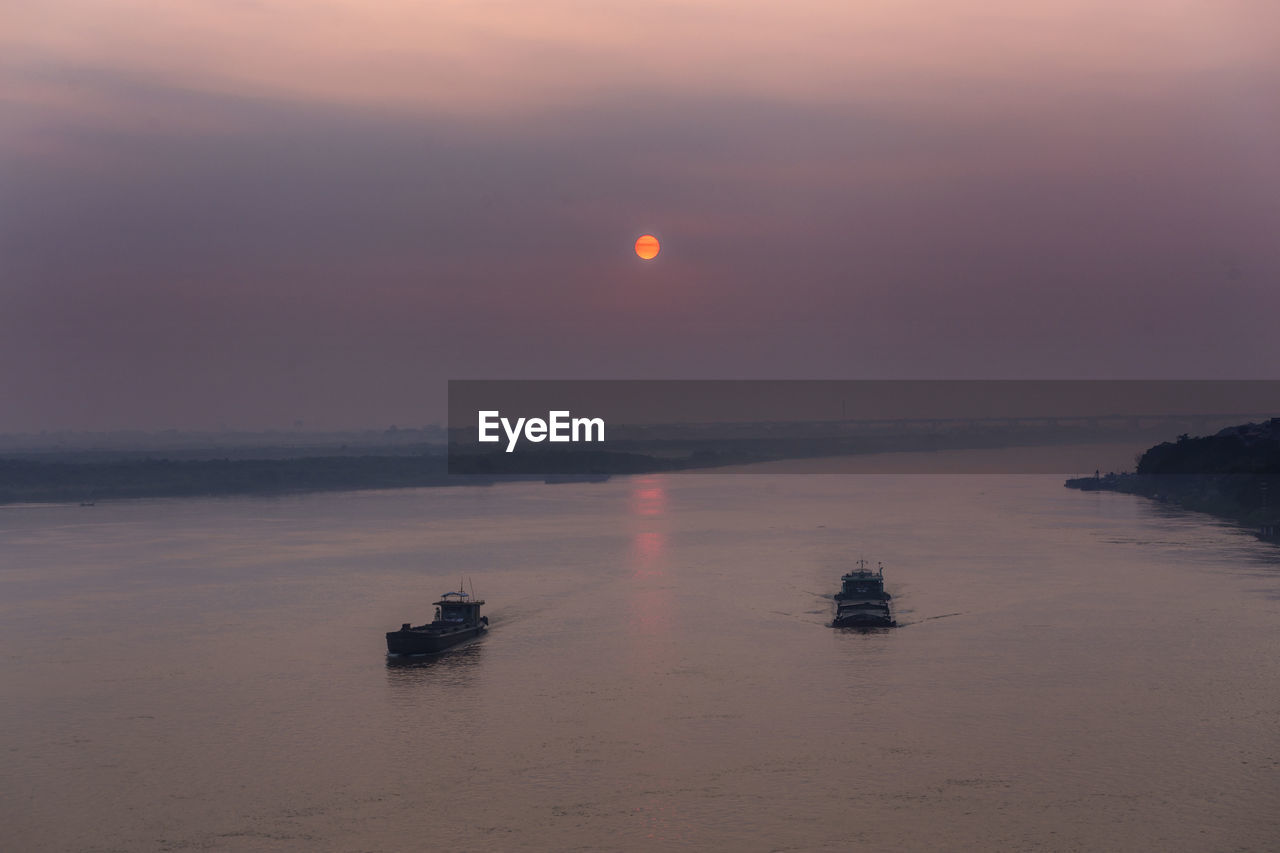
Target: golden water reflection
column 650, row 587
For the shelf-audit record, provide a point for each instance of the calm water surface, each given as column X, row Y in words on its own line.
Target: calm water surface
column 1074, row 671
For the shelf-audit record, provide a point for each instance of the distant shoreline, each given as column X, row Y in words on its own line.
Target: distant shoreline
column 54, row 480
column 91, row 475
column 78, row 477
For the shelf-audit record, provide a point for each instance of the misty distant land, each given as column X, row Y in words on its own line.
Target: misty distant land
column 84, row 468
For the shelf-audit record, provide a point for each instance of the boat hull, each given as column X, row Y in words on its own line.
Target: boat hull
column 863, row 614
column 427, row 642
column 863, row 621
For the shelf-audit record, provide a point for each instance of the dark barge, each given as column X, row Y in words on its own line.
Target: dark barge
column 457, row 619
column 862, row 601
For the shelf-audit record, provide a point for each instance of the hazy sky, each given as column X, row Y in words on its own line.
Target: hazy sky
column 252, row 212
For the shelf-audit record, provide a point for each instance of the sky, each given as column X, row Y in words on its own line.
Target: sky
column 257, row 213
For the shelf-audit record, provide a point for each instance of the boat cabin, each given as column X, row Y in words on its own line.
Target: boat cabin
column 458, row 608
column 862, row 583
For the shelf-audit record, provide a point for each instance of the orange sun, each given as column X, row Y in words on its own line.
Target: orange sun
column 647, row 247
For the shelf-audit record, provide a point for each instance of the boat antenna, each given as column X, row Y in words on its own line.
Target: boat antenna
column 473, row 587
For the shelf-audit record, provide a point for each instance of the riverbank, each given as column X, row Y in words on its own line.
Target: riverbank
column 70, row 480
column 1233, row 474
column 91, row 476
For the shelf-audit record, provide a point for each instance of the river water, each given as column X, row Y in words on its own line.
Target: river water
column 1074, row 671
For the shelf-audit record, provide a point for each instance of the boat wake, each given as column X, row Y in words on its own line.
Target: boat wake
column 928, row 619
